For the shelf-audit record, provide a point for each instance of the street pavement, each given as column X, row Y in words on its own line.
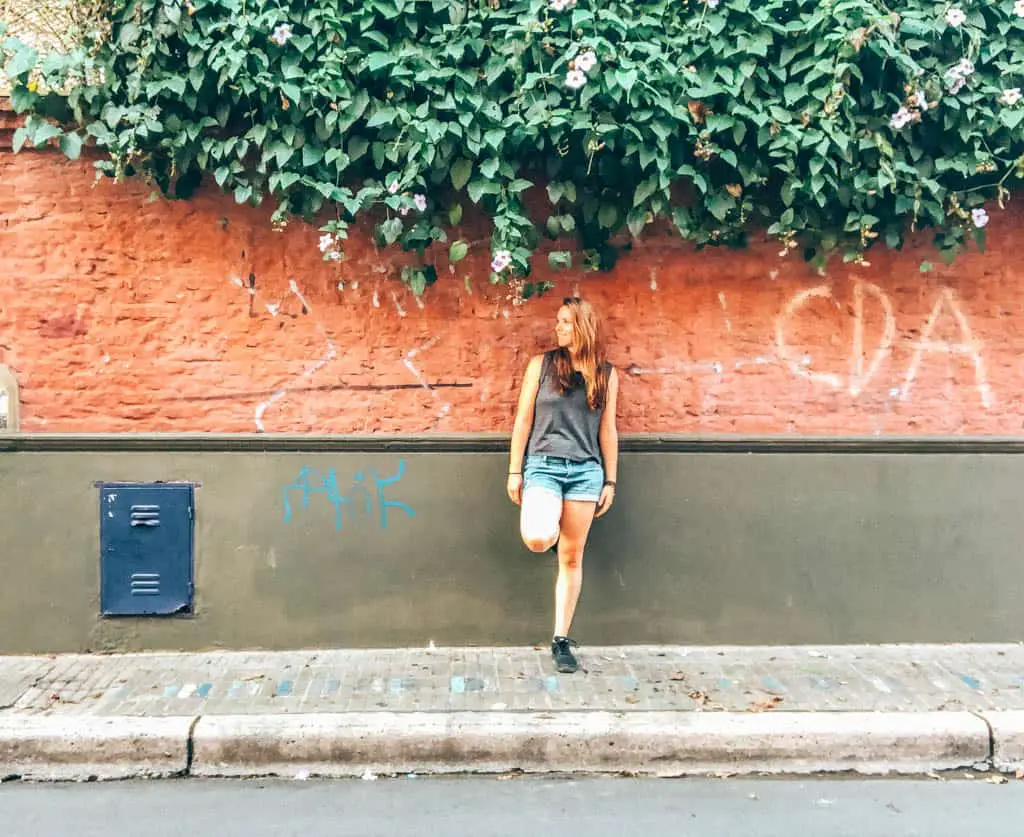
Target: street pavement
column 662, row 709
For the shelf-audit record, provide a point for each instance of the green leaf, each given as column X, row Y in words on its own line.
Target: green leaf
column 479, row 187
column 460, row 173
column 607, row 216
column 457, row 252
column 390, row 230
column 560, row 259
column 926, row 267
column 626, row 78
column 1011, row 118
column 455, row 214
column 71, row 145
column 645, row 190
column 357, row 147
column 23, row 61
column 19, row 139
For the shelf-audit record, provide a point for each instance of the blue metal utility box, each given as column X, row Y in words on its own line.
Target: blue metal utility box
column 146, row 548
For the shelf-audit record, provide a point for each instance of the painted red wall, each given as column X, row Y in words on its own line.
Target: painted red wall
column 122, row 313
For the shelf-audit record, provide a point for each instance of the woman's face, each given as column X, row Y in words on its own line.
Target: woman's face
column 563, row 327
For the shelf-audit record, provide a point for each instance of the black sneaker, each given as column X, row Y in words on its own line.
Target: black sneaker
column 565, row 660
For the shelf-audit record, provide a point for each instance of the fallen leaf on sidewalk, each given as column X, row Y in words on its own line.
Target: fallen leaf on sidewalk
column 632, row 699
column 699, row 697
column 997, row 780
column 764, row 705
column 935, row 776
column 677, row 676
column 1020, row 773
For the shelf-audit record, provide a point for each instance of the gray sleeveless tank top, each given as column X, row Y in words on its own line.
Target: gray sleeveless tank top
column 564, row 425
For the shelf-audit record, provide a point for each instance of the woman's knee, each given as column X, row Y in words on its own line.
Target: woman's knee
column 538, row 534
column 570, row 554
column 539, row 543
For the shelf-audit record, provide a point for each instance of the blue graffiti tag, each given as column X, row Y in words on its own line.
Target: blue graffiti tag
column 312, row 482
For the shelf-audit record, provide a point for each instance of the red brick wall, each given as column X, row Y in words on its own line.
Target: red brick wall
column 118, row 313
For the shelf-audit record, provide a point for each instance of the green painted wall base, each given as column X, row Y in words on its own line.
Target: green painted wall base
column 710, row 542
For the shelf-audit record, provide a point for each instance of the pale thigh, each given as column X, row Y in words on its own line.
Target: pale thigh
column 540, row 514
column 577, row 517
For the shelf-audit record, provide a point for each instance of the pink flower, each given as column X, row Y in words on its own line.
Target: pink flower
column 282, row 34
column 421, row 202
column 980, row 218
column 1010, row 97
column 393, row 188
column 901, row 119
column 501, row 260
column 955, row 17
column 575, row 79
column 586, row 61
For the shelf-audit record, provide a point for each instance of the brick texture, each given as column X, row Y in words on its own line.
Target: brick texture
column 119, row 312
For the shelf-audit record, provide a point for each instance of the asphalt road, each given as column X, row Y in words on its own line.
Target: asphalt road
column 515, row 806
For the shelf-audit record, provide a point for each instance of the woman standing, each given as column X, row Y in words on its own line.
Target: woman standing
column 565, row 455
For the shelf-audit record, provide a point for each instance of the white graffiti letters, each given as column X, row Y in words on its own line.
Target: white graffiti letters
column 867, row 361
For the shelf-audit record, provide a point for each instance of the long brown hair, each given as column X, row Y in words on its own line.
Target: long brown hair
column 591, row 356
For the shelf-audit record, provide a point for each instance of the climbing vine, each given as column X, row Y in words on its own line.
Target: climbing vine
column 827, row 124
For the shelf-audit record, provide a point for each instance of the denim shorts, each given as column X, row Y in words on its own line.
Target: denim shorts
column 570, row 480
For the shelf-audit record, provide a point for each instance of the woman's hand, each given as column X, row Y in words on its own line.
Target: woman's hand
column 514, row 487
column 606, row 499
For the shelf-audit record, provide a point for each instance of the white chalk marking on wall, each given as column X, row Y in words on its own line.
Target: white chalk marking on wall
column 801, row 367
column 859, row 376
column 407, row 361
column 968, row 345
column 725, row 312
column 311, row 370
column 398, row 305
column 679, row 368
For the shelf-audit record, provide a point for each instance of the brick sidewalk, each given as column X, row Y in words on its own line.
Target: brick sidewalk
column 629, row 679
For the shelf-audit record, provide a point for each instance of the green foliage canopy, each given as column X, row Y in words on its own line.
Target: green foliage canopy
column 829, row 124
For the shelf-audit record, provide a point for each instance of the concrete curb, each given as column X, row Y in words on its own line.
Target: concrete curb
column 654, row 743
column 1007, row 739
column 83, row 747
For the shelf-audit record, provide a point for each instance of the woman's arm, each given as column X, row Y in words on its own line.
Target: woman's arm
column 608, row 438
column 522, row 427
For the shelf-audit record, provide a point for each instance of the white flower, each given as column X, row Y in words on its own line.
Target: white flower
column 333, row 256
column 901, row 118
column 501, row 260
column 282, row 34
column 964, row 68
column 921, row 100
column 1018, row 8
column 575, row 79
column 586, row 61
column 393, row 188
column 561, row 5
column 956, row 83
column 1011, row 96
column 712, row 4
column 326, row 242
column 955, row 17
column 980, row 217
column 403, row 211
column 421, row 202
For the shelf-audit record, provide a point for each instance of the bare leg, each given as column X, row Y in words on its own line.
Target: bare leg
column 576, row 519
column 538, row 519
